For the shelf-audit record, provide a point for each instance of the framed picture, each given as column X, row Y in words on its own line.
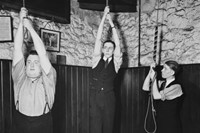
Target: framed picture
column 51, row 39
column 6, row 29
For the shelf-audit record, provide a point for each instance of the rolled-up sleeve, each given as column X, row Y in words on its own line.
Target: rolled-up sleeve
column 18, row 70
column 18, row 76
column 171, row 92
column 95, row 60
column 118, row 61
column 49, row 81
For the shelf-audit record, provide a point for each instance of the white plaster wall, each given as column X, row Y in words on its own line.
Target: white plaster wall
column 181, row 36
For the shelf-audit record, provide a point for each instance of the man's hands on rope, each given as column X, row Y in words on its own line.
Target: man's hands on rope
column 27, row 23
column 106, row 10
column 110, row 21
column 106, row 13
column 23, row 14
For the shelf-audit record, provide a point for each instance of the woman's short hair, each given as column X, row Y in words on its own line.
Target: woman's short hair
column 173, row 65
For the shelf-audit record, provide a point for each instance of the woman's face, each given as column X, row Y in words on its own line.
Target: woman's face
column 167, row 71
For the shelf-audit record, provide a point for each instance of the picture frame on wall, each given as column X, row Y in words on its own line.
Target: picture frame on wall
column 51, row 39
column 6, row 29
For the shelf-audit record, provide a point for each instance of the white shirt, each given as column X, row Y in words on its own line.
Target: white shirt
column 171, row 92
column 31, row 94
column 117, row 61
column 109, row 59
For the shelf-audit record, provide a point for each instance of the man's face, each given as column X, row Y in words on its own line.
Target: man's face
column 167, row 71
column 108, row 49
column 33, row 67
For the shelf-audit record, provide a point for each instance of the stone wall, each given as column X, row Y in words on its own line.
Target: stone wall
column 177, row 20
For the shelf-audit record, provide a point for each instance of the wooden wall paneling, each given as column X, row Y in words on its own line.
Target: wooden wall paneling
column 83, row 99
column 139, row 102
column 143, row 99
column 59, row 108
column 72, row 87
column 69, row 98
column 132, row 99
column 80, row 99
column 78, row 95
column 129, row 102
column 118, row 112
column 123, row 97
column 71, row 106
column 6, row 97
column 72, row 94
column 136, row 88
column 189, row 78
column 2, row 123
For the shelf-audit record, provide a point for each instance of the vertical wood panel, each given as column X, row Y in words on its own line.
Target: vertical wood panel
column 71, row 106
column 1, row 100
column 190, row 111
column 142, row 99
column 6, row 97
column 69, row 100
column 133, row 106
column 59, row 107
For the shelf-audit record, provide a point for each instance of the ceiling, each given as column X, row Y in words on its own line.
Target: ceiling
column 115, row 5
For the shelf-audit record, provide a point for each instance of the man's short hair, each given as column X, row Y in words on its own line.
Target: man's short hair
column 109, row 41
column 32, row 52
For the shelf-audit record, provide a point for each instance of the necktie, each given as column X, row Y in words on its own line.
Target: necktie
column 106, row 63
column 163, row 85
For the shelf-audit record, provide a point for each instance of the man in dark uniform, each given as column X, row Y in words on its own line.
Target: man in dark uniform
column 107, row 59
